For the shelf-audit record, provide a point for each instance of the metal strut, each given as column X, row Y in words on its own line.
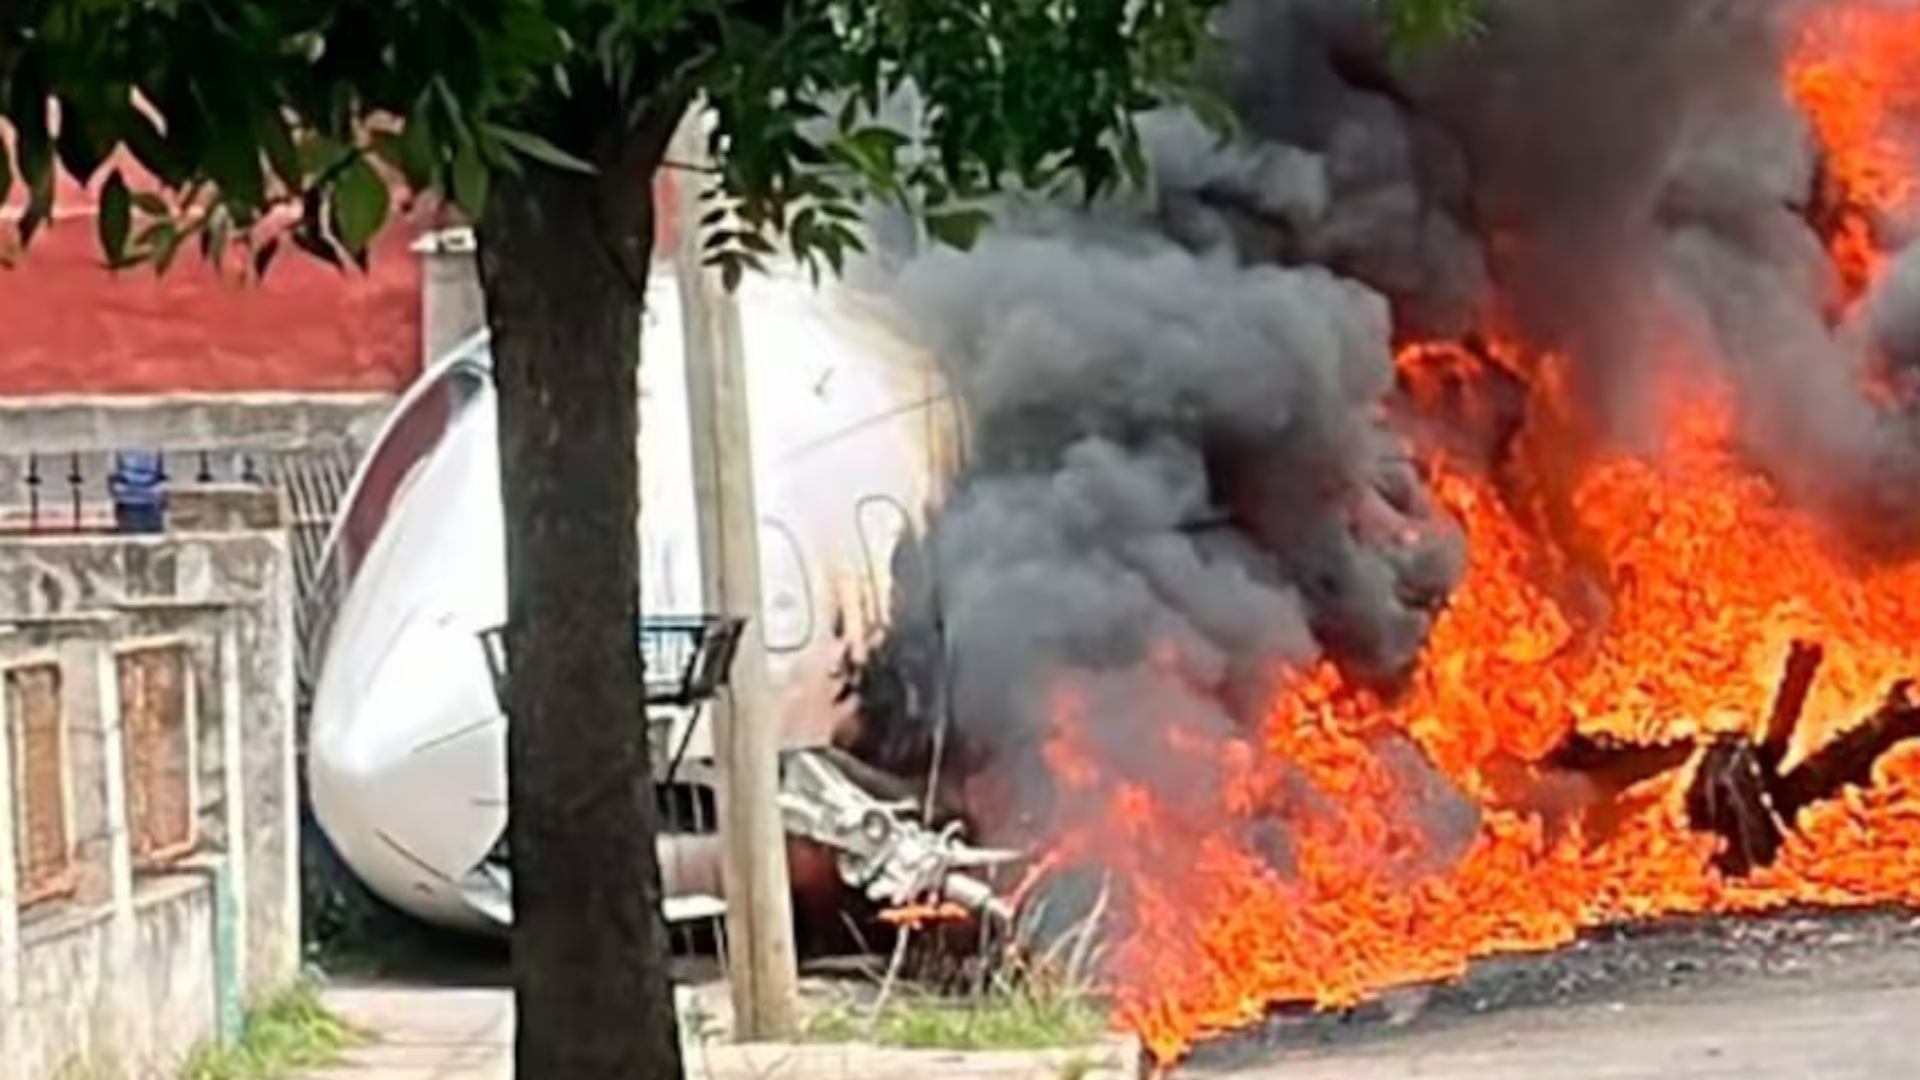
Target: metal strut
column 882, row 848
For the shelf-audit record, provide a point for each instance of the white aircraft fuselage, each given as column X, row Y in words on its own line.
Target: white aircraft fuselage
column 406, row 743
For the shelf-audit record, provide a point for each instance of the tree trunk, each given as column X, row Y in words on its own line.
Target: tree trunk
column 563, row 259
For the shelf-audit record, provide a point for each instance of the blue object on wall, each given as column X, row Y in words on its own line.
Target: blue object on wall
column 138, row 487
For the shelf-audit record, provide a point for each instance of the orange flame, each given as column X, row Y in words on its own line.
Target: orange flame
column 915, row 916
column 1855, row 72
column 1644, row 598
column 1709, row 578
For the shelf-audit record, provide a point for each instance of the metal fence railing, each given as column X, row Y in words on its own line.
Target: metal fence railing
column 72, row 491
column 50, row 493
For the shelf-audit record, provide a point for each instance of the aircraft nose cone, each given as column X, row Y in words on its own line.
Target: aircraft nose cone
column 410, row 763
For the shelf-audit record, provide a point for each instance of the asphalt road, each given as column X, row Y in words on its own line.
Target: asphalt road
column 1816, row 1012
column 1864, row 1034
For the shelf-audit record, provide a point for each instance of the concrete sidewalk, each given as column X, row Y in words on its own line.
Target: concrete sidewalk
column 441, row 1033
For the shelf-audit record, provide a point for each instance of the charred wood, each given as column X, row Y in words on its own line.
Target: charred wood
column 1849, row 759
column 1740, row 790
column 1584, row 778
column 1731, row 797
column 1614, row 765
column 1803, row 663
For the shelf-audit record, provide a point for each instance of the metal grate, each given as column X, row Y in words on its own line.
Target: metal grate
column 41, row 835
column 687, row 658
column 314, row 485
column 154, row 714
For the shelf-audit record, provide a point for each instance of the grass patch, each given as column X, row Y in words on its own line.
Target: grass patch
column 1026, row 984
column 1078, row 1067
column 1011, row 1021
column 291, row 1032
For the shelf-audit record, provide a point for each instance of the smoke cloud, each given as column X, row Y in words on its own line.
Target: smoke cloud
column 1180, row 485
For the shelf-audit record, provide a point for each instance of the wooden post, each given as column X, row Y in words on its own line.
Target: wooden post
column 746, row 726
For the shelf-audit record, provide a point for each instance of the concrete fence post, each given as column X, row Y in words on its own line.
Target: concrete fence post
column 10, row 948
column 236, row 885
column 121, row 1008
column 452, row 306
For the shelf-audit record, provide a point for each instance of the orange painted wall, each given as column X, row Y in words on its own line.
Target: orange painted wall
column 68, row 325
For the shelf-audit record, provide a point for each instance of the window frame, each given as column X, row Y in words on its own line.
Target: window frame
column 163, row 858
column 65, row 883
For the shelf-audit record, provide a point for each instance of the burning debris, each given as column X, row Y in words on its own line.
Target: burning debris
column 1742, row 793
column 1381, row 547
column 1740, row 789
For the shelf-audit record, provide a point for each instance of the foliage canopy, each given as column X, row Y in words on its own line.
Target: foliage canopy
column 282, row 120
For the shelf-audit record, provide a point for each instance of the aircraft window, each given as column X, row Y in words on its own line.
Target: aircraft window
column 786, row 592
column 882, row 521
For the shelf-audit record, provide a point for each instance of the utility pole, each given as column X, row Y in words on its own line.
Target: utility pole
column 746, row 726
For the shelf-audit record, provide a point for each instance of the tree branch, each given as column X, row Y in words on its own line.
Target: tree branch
column 623, row 207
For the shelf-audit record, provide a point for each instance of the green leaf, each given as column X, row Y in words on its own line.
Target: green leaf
column 845, row 237
column 360, row 204
column 418, row 147
column 116, row 218
column 731, row 271
column 263, row 257
column 1133, row 158
column 874, row 148
column 166, row 244
column 756, row 243
column 34, row 149
column 455, row 114
column 80, row 148
column 310, row 241
column 387, row 146
column 151, row 148
column 470, row 179
column 146, row 243
column 276, row 138
column 539, row 149
column 319, row 153
column 958, row 228
column 32, row 219
column 233, row 160
column 411, row 150
column 1213, row 112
